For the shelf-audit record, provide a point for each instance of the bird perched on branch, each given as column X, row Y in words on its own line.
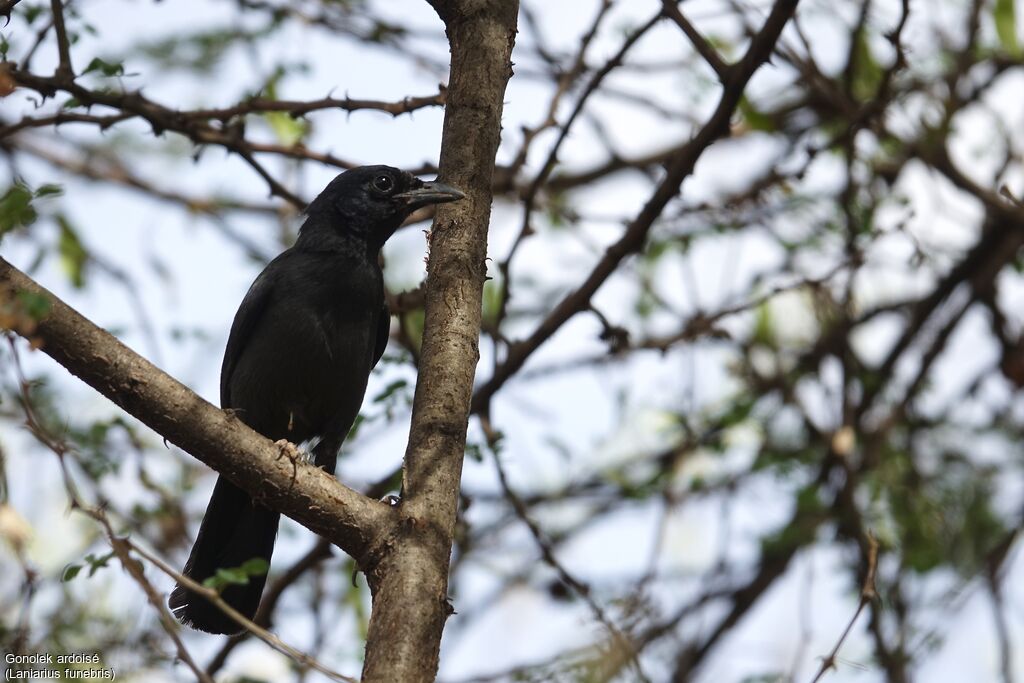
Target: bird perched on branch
column 302, row 345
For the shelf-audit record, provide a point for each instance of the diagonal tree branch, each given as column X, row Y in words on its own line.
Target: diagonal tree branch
column 304, row 492
column 678, row 167
column 700, row 43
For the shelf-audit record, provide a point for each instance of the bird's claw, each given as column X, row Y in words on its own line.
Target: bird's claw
column 286, row 449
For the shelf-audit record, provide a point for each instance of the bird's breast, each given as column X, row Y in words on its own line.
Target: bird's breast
column 304, row 370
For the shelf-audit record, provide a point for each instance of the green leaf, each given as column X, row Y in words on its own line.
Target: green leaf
column 106, row 68
column 16, row 209
column 492, row 299
column 756, row 120
column 764, row 326
column 354, row 429
column 49, row 190
column 558, row 210
column 383, row 32
column 289, row 130
column 73, row 255
column 1005, row 16
column 496, row 443
column 646, row 303
column 390, row 390
column 97, row 563
column 32, row 12
column 198, row 53
column 474, row 452
column 867, row 73
column 657, row 249
column 238, row 576
column 235, row 575
column 257, row 566
column 412, row 325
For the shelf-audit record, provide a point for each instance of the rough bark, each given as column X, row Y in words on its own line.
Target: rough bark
column 410, row 580
column 405, row 550
column 303, row 492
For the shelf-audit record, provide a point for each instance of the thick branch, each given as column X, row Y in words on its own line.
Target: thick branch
column 303, row 492
column 410, row 584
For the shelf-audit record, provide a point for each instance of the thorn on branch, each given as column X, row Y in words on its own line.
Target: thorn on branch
column 6, row 7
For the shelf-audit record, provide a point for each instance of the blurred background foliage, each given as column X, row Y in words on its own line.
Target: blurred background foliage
column 800, row 395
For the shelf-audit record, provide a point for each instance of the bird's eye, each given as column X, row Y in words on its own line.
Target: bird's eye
column 383, row 183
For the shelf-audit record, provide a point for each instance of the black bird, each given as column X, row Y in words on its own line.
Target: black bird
column 302, row 345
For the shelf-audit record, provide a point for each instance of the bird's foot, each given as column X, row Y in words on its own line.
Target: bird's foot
column 289, row 450
column 286, row 449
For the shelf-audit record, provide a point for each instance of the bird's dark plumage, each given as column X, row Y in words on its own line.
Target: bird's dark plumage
column 300, row 351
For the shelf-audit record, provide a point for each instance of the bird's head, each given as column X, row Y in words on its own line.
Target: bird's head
column 370, row 202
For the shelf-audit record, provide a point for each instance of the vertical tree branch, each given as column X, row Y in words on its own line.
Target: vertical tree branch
column 410, row 578
column 64, row 69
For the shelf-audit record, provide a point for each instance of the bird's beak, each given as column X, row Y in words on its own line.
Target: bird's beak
column 429, row 193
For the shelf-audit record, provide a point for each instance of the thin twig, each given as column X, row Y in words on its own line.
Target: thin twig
column 700, row 43
column 257, row 630
column 582, row 590
column 122, row 548
column 867, row 594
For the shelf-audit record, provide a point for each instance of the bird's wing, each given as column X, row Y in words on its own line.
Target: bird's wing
column 383, row 333
column 249, row 313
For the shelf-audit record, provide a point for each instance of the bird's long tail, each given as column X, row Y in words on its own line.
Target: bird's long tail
column 234, row 530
